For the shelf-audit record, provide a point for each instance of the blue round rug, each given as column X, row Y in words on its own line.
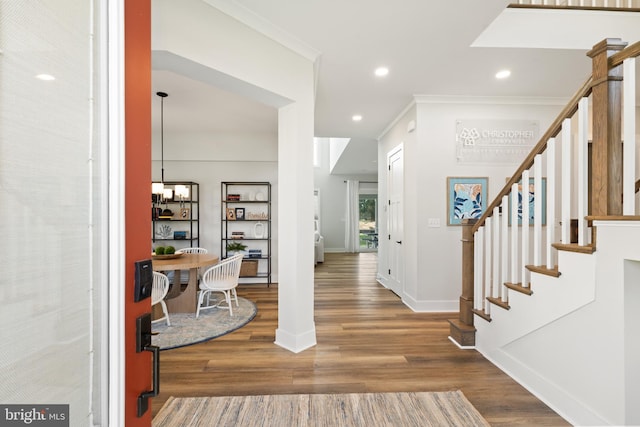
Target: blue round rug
column 186, row 330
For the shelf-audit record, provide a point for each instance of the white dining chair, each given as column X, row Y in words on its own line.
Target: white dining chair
column 222, row 277
column 184, row 275
column 158, row 293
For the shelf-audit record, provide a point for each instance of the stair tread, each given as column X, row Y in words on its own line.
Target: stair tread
column 542, row 269
column 519, row 288
column 486, row 316
column 574, row 247
column 499, row 302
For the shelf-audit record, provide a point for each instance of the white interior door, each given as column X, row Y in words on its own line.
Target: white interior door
column 395, row 218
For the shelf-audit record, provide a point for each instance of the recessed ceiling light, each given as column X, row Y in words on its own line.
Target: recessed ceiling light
column 382, row 71
column 45, row 77
column 356, row 118
column 503, row 74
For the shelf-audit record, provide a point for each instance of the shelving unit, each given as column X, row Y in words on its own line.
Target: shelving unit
column 246, row 219
column 182, row 228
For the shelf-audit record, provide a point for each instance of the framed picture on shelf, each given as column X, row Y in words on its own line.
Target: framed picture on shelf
column 532, row 201
column 231, row 214
column 185, row 213
column 466, row 198
column 239, row 214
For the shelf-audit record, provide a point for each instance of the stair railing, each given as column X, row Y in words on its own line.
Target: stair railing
column 633, row 5
column 582, row 170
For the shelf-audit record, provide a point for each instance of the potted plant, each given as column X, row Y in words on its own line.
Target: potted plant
column 234, row 248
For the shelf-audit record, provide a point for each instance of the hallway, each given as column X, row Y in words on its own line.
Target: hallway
column 368, row 341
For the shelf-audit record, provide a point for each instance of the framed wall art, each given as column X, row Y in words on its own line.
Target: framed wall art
column 466, row 198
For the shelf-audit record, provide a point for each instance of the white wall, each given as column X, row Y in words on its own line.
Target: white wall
column 202, row 42
column 210, row 158
column 433, row 254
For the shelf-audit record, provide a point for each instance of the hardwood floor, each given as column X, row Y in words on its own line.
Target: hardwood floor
column 368, row 341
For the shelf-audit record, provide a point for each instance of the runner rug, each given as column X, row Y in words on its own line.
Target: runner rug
column 356, row 409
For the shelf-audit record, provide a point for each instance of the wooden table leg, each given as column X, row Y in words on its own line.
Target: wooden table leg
column 185, row 301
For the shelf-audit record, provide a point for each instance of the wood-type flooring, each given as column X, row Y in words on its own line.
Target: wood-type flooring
column 367, row 341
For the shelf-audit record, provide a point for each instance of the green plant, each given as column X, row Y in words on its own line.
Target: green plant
column 236, row 246
column 169, row 250
column 160, row 250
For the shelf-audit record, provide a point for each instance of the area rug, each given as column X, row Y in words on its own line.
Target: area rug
column 185, row 329
column 357, row 409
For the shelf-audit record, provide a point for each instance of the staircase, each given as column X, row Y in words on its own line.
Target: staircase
column 580, row 4
column 551, row 271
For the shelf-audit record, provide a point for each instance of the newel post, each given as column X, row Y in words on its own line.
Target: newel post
column 461, row 330
column 606, row 162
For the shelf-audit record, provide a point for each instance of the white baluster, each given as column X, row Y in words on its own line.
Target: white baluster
column 525, row 228
column 538, row 198
column 566, row 181
column 551, row 201
column 480, row 269
column 629, row 137
column 488, row 252
column 583, row 174
column 477, row 291
column 495, row 291
column 514, row 233
column 504, row 246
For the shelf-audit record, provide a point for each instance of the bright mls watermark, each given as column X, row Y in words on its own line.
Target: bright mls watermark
column 34, row 415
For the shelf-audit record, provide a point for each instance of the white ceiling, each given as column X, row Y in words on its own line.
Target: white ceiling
column 429, row 46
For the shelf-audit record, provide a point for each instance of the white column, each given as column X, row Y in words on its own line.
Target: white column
column 296, row 328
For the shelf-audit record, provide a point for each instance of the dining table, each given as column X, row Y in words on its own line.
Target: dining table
column 185, row 300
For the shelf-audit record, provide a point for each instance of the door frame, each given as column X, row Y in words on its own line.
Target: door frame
column 391, row 246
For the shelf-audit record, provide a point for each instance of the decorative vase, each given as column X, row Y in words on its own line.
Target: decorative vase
column 258, row 230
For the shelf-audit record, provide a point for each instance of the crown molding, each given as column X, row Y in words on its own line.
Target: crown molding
column 266, row 28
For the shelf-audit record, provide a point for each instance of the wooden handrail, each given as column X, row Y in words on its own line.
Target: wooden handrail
column 555, row 128
column 637, row 185
column 618, row 58
column 566, row 7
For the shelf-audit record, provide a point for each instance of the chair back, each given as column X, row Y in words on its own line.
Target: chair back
column 225, row 274
column 193, row 251
column 160, row 287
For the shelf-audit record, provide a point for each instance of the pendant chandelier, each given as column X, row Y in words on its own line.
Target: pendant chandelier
column 158, row 187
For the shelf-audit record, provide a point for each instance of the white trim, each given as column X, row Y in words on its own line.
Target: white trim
column 431, row 306
column 395, row 121
column 261, row 25
column 116, row 218
column 615, row 223
column 462, row 347
column 296, row 343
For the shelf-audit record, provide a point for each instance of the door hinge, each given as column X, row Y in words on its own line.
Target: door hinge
column 389, row 271
column 389, row 237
